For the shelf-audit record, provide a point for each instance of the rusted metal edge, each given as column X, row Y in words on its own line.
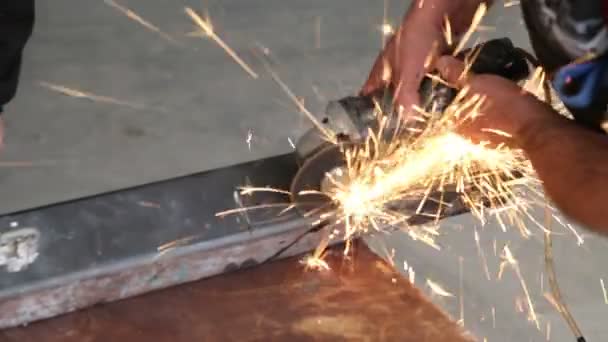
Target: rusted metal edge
column 156, row 271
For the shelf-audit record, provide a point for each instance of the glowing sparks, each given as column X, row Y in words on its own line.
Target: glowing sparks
column 135, row 17
column 387, row 29
column 169, row 246
column 77, row 93
column 148, row 204
column 510, row 259
column 479, row 14
column 396, row 163
column 249, row 139
column 327, row 133
column 461, row 289
column 604, row 291
column 315, row 264
column 15, row 163
column 482, row 256
column 316, row 261
column 437, row 289
column 447, row 31
column 511, row 3
column 317, row 32
column 207, row 29
column 411, row 274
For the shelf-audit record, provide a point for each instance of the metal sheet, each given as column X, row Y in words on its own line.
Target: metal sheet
column 359, row 299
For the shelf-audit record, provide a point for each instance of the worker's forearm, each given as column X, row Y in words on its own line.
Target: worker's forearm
column 572, row 163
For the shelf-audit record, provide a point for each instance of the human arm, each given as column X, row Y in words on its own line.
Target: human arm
column 402, row 62
column 571, row 161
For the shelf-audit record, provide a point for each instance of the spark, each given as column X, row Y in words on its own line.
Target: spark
column 248, row 190
column 315, row 263
column 481, row 255
column 135, row 17
column 148, row 204
column 511, row 3
column 552, row 301
column 164, row 248
column 604, row 291
column 437, row 289
column 510, row 259
column 411, row 274
column 249, row 138
column 485, row 28
column 387, row 29
column 77, row 93
column 291, row 143
column 318, row 32
column 479, row 14
column 396, row 163
column 17, row 164
column 447, row 31
column 327, row 133
column 461, row 289
column 207, row 29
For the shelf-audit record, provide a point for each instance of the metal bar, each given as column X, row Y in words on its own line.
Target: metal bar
column 124, row 243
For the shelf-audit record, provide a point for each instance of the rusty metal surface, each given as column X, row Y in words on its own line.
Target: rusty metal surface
column 362, row 299
column 163, row 270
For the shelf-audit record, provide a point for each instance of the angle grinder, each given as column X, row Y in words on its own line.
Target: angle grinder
column 351, row 118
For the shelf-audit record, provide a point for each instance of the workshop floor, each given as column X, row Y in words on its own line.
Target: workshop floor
column 184, row 107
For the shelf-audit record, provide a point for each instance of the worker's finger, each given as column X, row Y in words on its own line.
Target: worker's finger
column 381, row 73
column 452, row 70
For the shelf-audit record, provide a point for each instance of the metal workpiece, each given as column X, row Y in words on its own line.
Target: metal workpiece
column 67, row 256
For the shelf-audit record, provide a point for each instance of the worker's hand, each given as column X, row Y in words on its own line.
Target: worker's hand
column 411, row 51
column 401, row 63
column 507, row 115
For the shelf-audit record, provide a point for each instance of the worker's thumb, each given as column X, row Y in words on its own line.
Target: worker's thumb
column 452, row 70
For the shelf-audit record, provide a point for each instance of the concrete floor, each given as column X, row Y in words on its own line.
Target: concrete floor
column 195, row 108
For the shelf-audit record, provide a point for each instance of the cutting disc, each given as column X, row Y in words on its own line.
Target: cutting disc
column 310, row 177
